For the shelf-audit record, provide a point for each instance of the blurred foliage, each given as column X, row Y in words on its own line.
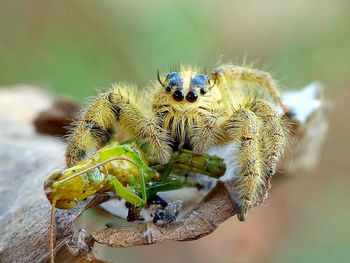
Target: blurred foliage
column 77, row 47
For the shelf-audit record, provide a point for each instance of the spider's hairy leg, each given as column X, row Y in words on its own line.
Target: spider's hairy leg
column 95, row 127
column 228, row 74
column 115, row 108
column 275, row 133
column 244, row 127
column 262, row 135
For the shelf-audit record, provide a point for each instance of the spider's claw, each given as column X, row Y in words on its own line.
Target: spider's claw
column 242, row 211
column 242, row 216
column 271, row 172
column 241, row 207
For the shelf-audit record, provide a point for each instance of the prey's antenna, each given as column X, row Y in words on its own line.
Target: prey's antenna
column 98, row 165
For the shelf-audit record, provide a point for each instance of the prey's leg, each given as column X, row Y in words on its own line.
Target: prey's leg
column 126, row 193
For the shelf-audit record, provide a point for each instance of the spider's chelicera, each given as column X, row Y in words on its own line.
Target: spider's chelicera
column 191, row 110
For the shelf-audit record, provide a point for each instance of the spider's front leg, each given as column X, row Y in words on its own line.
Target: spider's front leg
column 96, row 126
column 261, row 137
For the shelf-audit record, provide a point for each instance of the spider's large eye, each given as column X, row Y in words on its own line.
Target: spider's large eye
column 178, row 95
column 192, row 96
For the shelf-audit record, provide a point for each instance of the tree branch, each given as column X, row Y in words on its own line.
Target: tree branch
column 214, row 209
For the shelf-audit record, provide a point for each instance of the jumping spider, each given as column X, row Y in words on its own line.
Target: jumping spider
column 192, row 110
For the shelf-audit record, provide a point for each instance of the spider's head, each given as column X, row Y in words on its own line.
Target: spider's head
column 186, row 86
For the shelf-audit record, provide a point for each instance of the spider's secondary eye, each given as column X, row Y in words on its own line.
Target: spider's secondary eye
column 200, row 80
column 172, row 75
column 203, row 91
column 173, row 79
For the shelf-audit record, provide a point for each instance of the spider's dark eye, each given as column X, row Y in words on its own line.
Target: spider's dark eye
column 168, row 89
column 192, row 96
column 178, row 95
column 203, row 91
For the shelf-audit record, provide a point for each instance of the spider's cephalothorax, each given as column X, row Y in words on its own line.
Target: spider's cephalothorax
column 185, row 106
column 189, row 109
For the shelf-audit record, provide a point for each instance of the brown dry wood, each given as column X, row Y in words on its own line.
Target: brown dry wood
column 24, row 234
column 25, row 161
column 201, row 221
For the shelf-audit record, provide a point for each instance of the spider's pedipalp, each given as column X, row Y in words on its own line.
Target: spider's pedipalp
column 155, row 141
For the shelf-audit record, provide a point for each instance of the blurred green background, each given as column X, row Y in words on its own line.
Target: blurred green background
column 74, row 48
